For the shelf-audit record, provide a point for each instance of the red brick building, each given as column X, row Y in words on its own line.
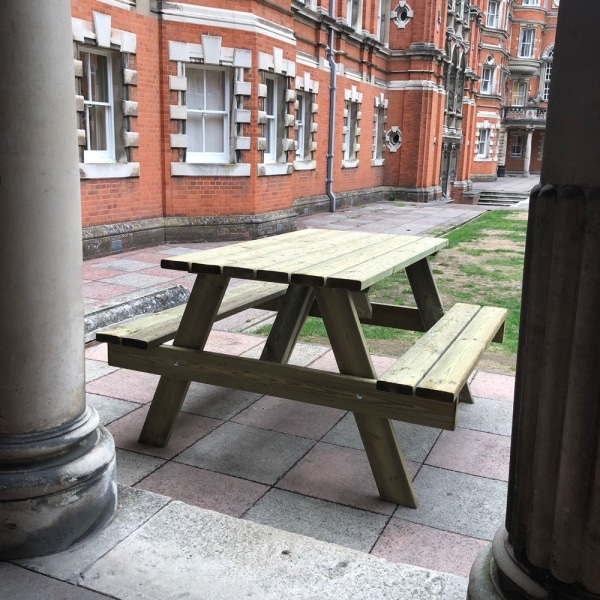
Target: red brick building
column 222, row 120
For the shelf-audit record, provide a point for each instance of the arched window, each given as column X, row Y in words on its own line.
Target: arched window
column 546, row 74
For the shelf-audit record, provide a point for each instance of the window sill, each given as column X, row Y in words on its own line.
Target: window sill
column 179, row 169
column 268, row 169
column 109, row 170
column 377, row 162
column 305, row 165
column 350, row 164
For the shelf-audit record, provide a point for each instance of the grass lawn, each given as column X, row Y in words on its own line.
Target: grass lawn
column 482, row 264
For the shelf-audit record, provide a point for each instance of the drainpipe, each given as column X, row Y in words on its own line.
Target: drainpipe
column 332, row 88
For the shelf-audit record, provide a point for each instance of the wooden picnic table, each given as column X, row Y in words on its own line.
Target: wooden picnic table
column 327, row 273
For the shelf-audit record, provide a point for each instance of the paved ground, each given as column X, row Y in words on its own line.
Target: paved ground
column 295, row 467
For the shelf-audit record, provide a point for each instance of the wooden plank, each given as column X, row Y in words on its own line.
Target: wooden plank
column 425, row 292
column 430, row 305
column 312, row 386
column 204, row 260
column 288, row 323
column 363, row 274
column 384, row 315
column 377, row 434
column 446, row 378
column 361, row 301
column 343, row 244
column 276, row 264
column 408, row 371
column 153, row 330
column 318, row 275
column 196, row 324
column 143, row 331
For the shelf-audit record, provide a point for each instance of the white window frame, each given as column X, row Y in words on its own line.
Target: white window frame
column 351, row 126
column 547, row 78
column 483, row 142
column 486, row 85
column 379, row 134
column 516, row 146
column 526, row 42
column 272, row 83
column 519, row 93
column 493, row 16
column 107, row 155
column 303, row 124
column 203, row 156
column 379, row 24
column 531, row 2
column 354, row 13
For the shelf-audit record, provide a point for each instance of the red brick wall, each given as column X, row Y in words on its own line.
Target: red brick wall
column 107, row 201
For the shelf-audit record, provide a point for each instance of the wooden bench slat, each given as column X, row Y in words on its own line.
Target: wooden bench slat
column 439, row 364
column 445, row 380
column 152, row 330
column 404, row 376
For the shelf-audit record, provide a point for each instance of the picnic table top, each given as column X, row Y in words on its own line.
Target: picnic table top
column 313, row 257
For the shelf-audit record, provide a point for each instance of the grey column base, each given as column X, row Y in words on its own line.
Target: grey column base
column 47, row 504
column 496, row 575
column 481, row 584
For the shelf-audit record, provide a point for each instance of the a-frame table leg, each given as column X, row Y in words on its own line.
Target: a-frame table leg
column 289, row 320
column 378, row 435
column 194, row 329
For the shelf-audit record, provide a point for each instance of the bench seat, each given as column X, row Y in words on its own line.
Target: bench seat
column 152, row 330
column 440, row 362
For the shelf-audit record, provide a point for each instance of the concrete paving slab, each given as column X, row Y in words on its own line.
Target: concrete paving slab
column 456, row 588
column 133, row 467
column 319, row 519
column 110, row 409
column 415, row 441
column 492, row 416
column 302, row 355
column 337, row 474
column 248, row 452
column 138, row 280
column 135, row 507
column 133, row 386
column 403, row 541
column 474, row 452
column 17, row 583
column 188, row 552
column 457, row 502
column 94, row 369
column 228, row 495
column 216, row 402
column 495, row 386
column 187, row 430
column 127, row 265
column 291, row 417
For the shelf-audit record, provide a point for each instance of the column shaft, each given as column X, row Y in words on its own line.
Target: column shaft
column 527, row 159
column 56, row 464
column 550, row 548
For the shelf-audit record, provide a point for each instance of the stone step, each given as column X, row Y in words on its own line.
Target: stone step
column 500, row 198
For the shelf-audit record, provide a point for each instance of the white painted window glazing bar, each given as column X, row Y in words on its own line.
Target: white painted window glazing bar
column 526, row 43
column 207, row 125
column 98, row 102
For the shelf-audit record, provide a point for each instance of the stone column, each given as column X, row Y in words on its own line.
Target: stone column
column 527, row 159
column 550, row 546
column 56, row 463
